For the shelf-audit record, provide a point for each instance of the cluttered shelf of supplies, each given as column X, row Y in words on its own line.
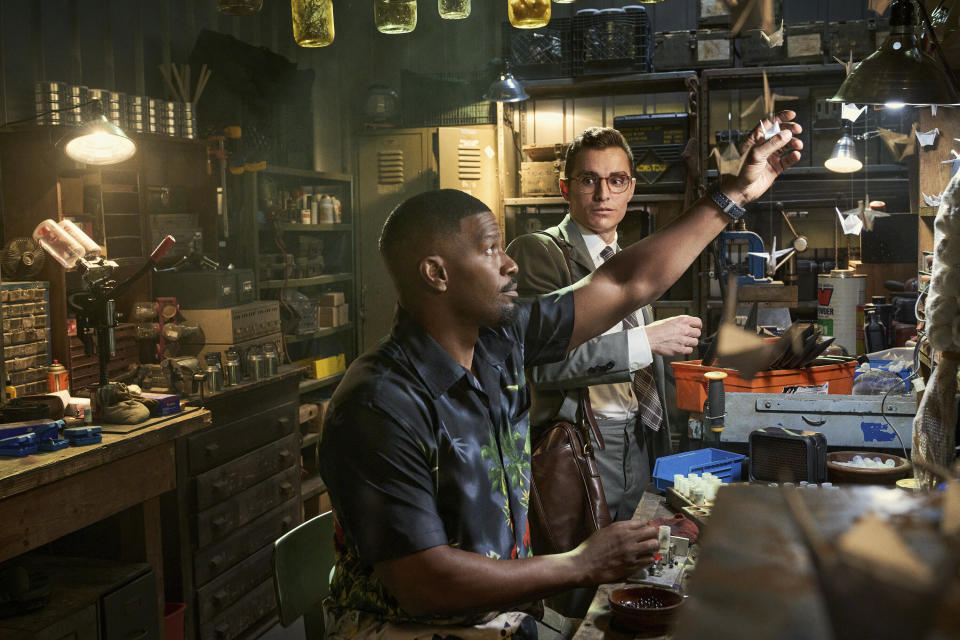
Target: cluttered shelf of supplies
column 302, row 250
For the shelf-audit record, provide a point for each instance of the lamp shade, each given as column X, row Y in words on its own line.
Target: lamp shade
column 506, row 88
column 100, row 142
column 899, row 73
column 844, row 157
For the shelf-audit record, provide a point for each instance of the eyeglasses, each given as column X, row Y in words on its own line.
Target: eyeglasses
column 588, row 182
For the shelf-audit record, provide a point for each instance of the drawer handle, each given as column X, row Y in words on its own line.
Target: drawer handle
column 219, row 523
column 286, row 489
column 142, row 633
column 285, row 455
column 219, row 486
column 814, row 423
column 219, row 597
column 283, row 421
column 215, row 562
column 221, row 630
column 212, row 448
column 285, row 523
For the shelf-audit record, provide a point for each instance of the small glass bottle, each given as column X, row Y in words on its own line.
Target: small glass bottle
column 395, row 16
column 312, row 22
column 528, row 14
column 454, row 9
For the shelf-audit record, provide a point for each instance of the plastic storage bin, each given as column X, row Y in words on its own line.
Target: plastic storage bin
column 692, row 386
column 723, row 464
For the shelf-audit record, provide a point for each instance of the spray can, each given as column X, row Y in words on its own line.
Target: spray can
column 57, row 378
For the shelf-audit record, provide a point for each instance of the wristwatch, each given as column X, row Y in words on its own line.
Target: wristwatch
column 727, row 205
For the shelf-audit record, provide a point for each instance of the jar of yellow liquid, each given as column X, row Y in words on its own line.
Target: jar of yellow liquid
column 395, row 16
column 454, row 9
column 528, row 14
column 312, row 22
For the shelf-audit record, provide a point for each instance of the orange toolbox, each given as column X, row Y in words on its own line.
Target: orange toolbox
column 692, row 385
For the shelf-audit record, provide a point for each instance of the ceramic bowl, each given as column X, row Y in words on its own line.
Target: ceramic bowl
column 843, row 475
column 646, row 607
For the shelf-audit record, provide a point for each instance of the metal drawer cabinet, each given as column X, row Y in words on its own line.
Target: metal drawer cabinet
column 254, row 606
column 215, row 523
column 225, row 441
column 81, row 625
column 231, row 478
column 218, row 594
column 130, row 612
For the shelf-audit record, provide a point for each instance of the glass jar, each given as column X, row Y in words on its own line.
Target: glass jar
column 395, row 16
column 454, row 9
column 528, row 14
column 312, row 22
column 239, row 7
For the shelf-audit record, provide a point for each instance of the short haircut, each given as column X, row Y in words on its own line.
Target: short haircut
column 423, row 218
column 595, row 138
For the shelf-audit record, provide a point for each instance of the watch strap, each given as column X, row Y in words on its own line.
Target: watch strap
column 726, row 205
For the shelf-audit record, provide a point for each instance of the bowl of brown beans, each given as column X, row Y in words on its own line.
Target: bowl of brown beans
column 647, row 607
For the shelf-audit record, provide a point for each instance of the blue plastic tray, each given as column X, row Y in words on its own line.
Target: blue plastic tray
column 723, row 464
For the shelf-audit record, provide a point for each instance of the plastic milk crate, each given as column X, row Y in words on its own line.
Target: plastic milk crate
column 723, row 464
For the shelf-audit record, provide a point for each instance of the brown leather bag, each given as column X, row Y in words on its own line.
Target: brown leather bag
column 567, row 502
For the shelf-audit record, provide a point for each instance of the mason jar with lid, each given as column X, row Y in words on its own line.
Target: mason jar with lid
column 312, row 22
column 528, row 14
column 395, row 16
column 454, row 9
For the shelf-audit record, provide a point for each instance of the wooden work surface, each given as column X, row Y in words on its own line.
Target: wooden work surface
column 598, row 624
column 47, row 495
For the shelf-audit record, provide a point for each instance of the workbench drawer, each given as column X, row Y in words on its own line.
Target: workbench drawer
column 220, row 483
column 215, row 559
column 216, row 522
column 217, row 595
column 217, row 445
column 81, row 625
column 131, row 611
column 253, row 607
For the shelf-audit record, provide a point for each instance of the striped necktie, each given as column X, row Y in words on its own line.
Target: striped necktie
column 644, row 385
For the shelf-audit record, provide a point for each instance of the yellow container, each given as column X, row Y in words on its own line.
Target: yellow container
column 312, row 22
column 326, row 367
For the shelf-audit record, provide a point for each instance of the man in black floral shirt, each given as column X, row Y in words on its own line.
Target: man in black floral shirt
column 426, row 447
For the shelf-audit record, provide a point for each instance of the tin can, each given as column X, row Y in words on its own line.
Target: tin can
column 57, row 377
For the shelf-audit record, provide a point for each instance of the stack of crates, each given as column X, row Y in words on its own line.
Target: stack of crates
column 657, row 141
column 26, row 335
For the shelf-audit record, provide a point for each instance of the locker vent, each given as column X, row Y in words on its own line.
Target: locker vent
column 468, row 163
column 390, row 166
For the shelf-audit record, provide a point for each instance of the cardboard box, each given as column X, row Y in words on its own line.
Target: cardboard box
column 331, row 299
column 167, row 403
column 333, row 316
column 540, row 178
column 234, row 324
column 324, row 367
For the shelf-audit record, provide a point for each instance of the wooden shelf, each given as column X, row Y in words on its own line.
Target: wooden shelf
column 307, row 282
column 310, row 439
column 319, row 333
column 306, row 386
column 307, row 227
column 320, row 176
column 558, row 200
column 663, row 82
column 312, row 486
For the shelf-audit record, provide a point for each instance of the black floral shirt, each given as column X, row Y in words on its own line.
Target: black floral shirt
column 418, row 452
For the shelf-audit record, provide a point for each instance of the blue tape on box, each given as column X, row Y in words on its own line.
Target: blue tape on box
column 167, row 404
column 79, row 436
column 19, row 446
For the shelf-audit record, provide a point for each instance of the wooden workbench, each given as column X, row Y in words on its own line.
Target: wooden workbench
column 46, row 496
column 598, row 623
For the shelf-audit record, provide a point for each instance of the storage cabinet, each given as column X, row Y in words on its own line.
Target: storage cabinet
column 238, row 489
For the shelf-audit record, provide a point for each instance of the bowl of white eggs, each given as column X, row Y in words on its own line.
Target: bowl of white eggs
column 866, row 467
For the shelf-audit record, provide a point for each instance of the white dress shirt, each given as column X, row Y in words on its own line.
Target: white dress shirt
column 616, row 401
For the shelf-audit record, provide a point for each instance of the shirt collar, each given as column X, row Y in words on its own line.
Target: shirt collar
column 438, row 370
column 595, row 243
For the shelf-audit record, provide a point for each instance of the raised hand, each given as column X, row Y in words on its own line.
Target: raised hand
column 765, row 159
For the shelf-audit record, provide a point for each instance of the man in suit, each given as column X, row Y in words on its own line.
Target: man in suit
column 623, row 368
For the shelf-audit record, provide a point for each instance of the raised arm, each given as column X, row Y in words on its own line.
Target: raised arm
column 641, row 273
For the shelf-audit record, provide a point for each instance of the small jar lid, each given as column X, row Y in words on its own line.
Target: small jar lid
column 587, row 12
column 612, row 10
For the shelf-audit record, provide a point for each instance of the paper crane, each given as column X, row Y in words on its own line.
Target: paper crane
column 869, row 214
column 775, row 39
column 932, row 201
column 879, row 6
column 769, row 102
column 773, row 258
column 894, row 140
column 751, row 14
column 927, row 138
column 851, row 224
column 954, row 160
column 728, row 159
column 848, row 65
column 851, row 112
